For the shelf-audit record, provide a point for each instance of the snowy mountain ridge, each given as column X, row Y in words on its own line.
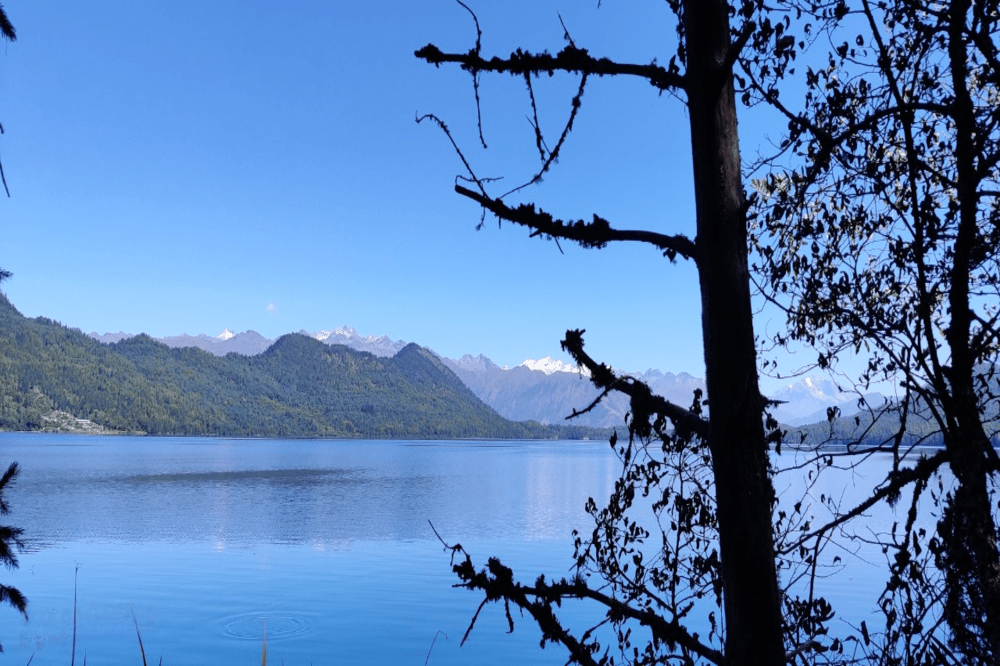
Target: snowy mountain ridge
column 382, row 345
column 549, row 365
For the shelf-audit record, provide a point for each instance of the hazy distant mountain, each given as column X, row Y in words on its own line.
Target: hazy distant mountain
column 110, row 338
column 807, row 400
column 347, row 336
column 548, row 391
column 248, row 343
column 251, row 343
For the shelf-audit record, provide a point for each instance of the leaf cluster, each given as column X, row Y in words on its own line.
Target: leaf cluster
column 876, row 230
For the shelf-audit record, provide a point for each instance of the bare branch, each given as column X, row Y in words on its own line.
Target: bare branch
column 537, row 126
column 566, row 34
column 737, row 46
column 570, row 59
column 3, row 177
column 644, row 401
column 497, row 581
column 919, row 472
column 554, row 153
column 594, row 234
column 592, row 405
column 475, row 76
column 670, row 632
column 444, row 128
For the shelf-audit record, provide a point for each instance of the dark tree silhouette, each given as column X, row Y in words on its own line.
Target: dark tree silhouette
column 10, row 537
column 6, row 27
column 723, row 546
column 10, row 544
column 7, row 32
column 879, row 231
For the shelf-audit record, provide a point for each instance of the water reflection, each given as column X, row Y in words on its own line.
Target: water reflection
column 294, row 492
column 203, row 540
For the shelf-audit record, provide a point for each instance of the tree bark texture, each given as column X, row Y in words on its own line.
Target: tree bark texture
column 745, row 496
column 972, row 562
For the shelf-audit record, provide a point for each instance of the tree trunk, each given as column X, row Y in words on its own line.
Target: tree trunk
column 971, row 559
column 744, row 492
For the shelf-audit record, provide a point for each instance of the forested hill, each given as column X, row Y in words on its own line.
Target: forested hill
column 297, row 388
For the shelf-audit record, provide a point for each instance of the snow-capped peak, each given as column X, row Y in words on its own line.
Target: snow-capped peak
column 342, row 332
column 817, row 388
column 345, row 335
column 225, row 335
column 549, row 365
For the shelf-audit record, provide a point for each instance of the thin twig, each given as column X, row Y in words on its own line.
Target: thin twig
column 566, row 35
column 475, row 75
column 554, row 153
column 539, row 141
column 447, row 132
column 434, row 640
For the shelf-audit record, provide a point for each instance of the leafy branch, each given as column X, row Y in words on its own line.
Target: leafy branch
column 497, row 582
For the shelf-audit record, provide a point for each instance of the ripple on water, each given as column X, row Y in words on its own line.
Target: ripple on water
column 250, row 626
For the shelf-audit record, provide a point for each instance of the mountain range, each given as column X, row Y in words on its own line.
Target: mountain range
column 51, row 375
column 251, row 343
column 806, row 401
column 545, row 390
column 548, row 391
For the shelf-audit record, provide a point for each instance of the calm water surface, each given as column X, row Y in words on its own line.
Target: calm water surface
column 202, row 541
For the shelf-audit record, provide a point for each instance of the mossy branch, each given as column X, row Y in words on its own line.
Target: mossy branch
column 646, row 406
column 595, row 234
column 570, row 59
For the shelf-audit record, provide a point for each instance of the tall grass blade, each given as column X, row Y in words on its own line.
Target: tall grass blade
column 433, row 641
column 142, row 650
column 263, row 654
column 72, row 654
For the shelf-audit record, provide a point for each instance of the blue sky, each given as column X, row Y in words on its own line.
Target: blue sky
column 192, row 166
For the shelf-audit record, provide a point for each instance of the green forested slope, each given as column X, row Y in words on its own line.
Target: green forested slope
column 297, row 388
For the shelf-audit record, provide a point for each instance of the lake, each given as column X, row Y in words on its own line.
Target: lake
column 202, row 541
